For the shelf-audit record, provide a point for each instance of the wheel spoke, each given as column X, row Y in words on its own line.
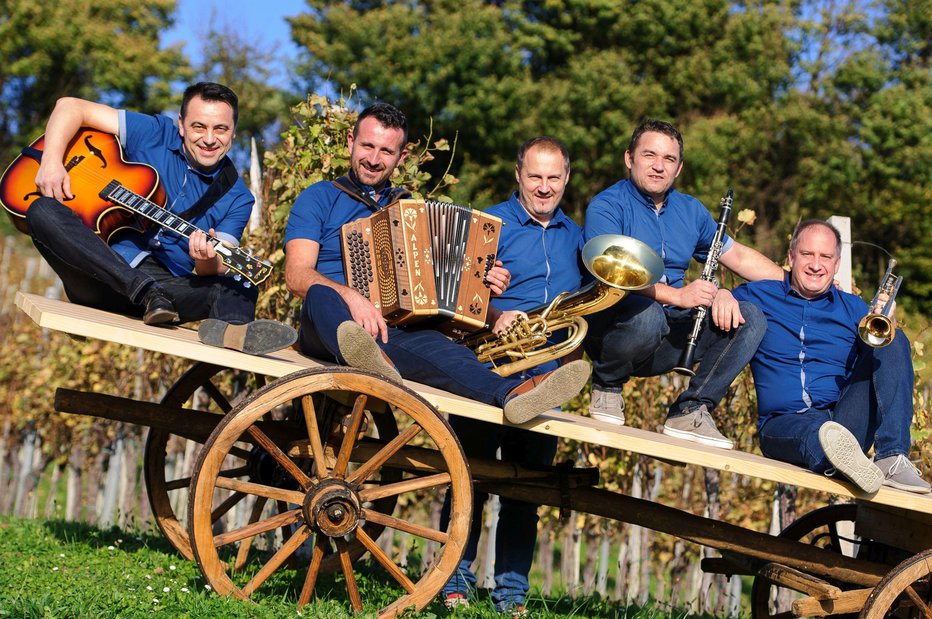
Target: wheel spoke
column 346, row 562
column 403, row 525
column 269, row 492
column 178, row 484
column 919, row 602
column 312, row 571
column 217, row 396
column 349, row 439
column 396, row 572
column 242, row 552
column 226, row 506
column 277, row 559
column 313, row 432
column 408, row 485
column 280, row 457
column 381, row 457
column 262, row 526
column 239, row 452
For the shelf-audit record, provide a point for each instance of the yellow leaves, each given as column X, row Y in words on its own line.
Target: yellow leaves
column 747, row 216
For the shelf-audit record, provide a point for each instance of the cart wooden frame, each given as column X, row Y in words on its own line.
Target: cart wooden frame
column 324, row 454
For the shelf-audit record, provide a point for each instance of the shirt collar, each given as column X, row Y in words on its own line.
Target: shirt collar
column 524, row 218
column 644, row 198
column 789, row 291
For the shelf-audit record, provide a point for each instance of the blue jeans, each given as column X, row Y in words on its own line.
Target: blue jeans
column 639, row 337
column 516, row 535
column 875, row 405
column 423, row 355
column 96, row 276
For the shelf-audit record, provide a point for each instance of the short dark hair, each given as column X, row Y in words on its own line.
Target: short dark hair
column 210, row 91
column 809, row 223
column 388, row 116
column 547, row 143
column 657, row 126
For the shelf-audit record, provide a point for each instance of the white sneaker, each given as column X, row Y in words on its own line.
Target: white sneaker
column 607, row 406
column 844, row 452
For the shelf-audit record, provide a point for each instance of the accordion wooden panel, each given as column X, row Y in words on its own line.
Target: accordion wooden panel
column 423, row 260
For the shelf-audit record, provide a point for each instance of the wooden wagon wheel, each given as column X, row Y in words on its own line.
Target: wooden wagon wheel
column 329, row 491
column 906, row 591
column 819, row 528
column 167, row 488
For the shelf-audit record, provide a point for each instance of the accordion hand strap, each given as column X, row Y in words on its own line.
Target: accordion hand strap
column 348, row 185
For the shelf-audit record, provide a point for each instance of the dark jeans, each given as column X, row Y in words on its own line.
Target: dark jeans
column 639, row 337
column 423, row 355
column 516, row 534
column 95, row 275
column 875, row 404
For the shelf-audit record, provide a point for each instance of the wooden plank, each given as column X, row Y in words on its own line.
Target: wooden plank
column 183, row 342
column 894, row 526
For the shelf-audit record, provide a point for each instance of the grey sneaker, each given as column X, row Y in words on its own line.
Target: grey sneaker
column 360, row 351
column 697, row 426
column 844, row 452
column 899, row 472
column 607, row 406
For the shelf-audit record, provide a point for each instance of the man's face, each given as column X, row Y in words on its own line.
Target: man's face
column 541, row 182
column 814, row 262
column 654, row 164
column 375, row 151
column 207, row 131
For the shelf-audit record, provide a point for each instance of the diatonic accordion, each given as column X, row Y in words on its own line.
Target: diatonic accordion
column 424, row 260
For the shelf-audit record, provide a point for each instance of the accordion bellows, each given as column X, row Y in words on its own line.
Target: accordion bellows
column 424, row 260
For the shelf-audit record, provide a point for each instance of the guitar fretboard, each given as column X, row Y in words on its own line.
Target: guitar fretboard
column 116, row 192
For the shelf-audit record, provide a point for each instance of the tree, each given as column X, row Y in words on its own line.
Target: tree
column 104, row 50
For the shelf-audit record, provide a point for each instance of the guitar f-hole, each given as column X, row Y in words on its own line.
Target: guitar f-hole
column 95, row 151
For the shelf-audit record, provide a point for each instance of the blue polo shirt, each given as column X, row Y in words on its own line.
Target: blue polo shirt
column 682, row 229
column 809, row 350
column 318, row 214
column 154, row 140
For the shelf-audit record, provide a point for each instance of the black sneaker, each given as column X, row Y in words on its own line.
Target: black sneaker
column 159, row 307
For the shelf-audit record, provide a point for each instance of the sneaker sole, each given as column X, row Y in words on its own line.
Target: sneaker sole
column 554, row 391
column 258, row 337
column 615, row 420
column 844, row 452
column 360, row 351
column 916, row 489
column 698, row 438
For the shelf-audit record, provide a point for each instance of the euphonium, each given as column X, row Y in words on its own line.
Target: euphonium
column 619, row 263
column 877, row 328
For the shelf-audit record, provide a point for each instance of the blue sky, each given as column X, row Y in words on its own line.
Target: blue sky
column 261, row 21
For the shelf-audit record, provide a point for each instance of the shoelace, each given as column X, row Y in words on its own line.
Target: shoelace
column 703, row 416
column 900, row 463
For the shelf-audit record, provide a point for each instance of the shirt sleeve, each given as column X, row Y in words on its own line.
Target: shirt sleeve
column 142, row 132
column 602, row 217
column 706, row 226
column 306, row 220
column 233, row 222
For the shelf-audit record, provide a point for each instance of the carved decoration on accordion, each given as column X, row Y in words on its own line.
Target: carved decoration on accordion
column 489, row 229
column 420, row 297
column 476, row 307
column 410, row 215
column 400, row 257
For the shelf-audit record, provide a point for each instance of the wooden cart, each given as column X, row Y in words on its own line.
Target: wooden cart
column 322, row 456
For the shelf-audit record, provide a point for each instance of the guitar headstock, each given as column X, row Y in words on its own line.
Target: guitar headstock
column 243, row 262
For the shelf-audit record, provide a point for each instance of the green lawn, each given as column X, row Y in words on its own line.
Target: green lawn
column 57, row 569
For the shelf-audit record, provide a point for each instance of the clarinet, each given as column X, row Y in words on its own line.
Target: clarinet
column 708, row 274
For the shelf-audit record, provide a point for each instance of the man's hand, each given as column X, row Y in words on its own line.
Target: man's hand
column 697, row 293
column 498, row 278
column 725, row 311
column 506, row 319
column 365, row 313
column 53, row 181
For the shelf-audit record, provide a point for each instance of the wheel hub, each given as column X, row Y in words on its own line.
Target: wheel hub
column 332, row 508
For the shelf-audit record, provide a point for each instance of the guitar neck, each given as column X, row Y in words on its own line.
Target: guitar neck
column 115, row 192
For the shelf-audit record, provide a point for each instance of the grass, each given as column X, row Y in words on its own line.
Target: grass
column 55, row 569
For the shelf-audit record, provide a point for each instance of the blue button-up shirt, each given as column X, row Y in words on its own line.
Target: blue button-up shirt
column 810, row 347
column 319, row 213
column 155, row 140
column 543, row 261
column 682, row 229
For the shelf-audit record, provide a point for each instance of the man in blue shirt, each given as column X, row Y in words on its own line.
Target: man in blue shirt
column 158, row 274
column 645, row 333
column 340, row 324
column 541, row 246
column 824, row 397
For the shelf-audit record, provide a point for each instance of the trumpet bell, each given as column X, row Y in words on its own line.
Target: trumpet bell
column 622, row 261
column 876, row 330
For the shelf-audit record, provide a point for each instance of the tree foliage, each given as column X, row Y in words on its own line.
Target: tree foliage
column 103, row 50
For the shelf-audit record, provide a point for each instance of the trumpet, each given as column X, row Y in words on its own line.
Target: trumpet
column 877, row 329
column 619, row 264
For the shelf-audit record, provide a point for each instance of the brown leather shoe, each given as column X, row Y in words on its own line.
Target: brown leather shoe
column 539, row 394
column 361, row 351
column 259, row 337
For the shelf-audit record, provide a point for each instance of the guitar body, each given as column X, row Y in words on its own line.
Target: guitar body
column 93, row 159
